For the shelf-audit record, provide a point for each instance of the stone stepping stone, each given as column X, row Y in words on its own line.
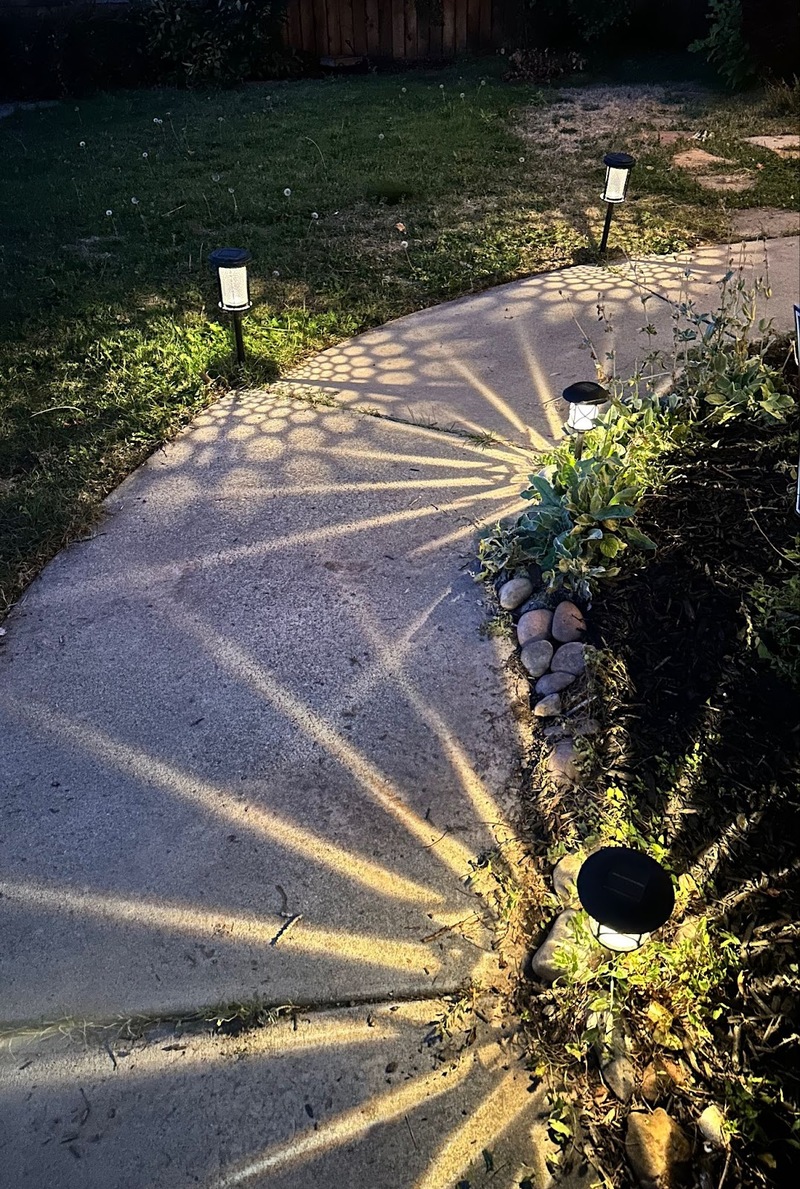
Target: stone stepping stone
column 785, row 145
column 698, row 159
column 733, row 182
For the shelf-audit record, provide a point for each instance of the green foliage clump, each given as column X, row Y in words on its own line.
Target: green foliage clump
column 773, row 615
column 725, row 46
column 198, row 41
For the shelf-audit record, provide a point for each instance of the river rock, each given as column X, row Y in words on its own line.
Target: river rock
column 712, row 1127
column 620, row 1077
column 553, row 683
column 656, row 1148
column 512, row 594
column 543, row 962
column 549, row 707
column 659, row 1077
column 564, row 876
column 562, row 762
column 570, row 658
column 568, row 623
column 534, row 625
column 536, row 657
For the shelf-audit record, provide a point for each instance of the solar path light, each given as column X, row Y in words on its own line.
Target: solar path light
column 584, row 399
column 626, row 895
column 618, row 174
column 234, row 288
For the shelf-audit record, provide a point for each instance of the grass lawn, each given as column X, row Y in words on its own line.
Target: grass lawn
column 109, row 334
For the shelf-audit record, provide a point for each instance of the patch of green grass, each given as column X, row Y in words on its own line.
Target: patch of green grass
column 110, row 338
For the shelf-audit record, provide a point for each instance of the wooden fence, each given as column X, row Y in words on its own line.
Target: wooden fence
column 410, row 29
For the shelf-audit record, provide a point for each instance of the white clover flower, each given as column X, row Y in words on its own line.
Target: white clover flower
column 276, row 272
column 109, row 214
column 314, row 215
column 403, row 243
column 287, row 193
column 145, row 156
column 135, row 201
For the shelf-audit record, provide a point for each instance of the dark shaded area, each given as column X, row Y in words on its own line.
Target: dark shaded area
column 711, row 731
column 773, row 33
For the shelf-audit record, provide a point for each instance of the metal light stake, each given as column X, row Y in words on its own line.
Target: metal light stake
column 618, row 174
column 234, row 288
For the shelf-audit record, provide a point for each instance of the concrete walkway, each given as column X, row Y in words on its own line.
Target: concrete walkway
column 253, row 745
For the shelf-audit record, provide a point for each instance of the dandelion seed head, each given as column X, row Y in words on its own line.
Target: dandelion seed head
column 145, row 156
column 403, row 243
column 135, row 201
column 82, row 144
column 287, row 193
column 462, row 95
column 522, row 160
column 215, row 177
column 441, row 86
column 109, row 214
column 230, row 190
column 403, row 91
column 314, row 215
column 381, row 136
column 276, row 272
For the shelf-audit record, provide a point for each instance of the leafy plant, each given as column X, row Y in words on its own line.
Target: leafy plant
column 724, row 45
column 211, row 40
column 783, row 96
column 773, row 616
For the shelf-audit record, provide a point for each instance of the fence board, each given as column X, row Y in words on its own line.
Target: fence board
column 359, row 27
column 346, row 26
column 436, row 39
column 373, row 28
column 423, row 32
column 485, row 24
column 398, row 29
column 410, row 18
column 448, row 27
column 461, row 25
column 473, row 24
column 321, row 46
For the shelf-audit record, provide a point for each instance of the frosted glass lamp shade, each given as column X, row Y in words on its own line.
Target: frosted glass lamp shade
column 584, row 399
column 620, row 943
column 234, row 288
column 618, row 173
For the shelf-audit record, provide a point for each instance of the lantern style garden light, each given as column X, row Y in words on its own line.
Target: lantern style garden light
column 584, row 399
column 618, row 174
column 626, row 895
column 234, row 288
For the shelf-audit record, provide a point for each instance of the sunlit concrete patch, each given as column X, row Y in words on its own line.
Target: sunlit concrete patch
column 356, row 1097
column 259, row 696
column 498, row 361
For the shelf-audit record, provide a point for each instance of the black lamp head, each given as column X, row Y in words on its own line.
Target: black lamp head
column 625, row 890
column 585, row 392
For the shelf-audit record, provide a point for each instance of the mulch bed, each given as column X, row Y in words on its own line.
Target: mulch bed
column 723, row 520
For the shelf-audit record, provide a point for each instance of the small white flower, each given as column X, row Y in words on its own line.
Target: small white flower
column 135, row 201
column 145, row 156
column 314, row 215
column 82, row 144
column 215, row 177
column 109, row 214
column 287, row 193
column 275, row 272
column 381, row 136
column 403, row 243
